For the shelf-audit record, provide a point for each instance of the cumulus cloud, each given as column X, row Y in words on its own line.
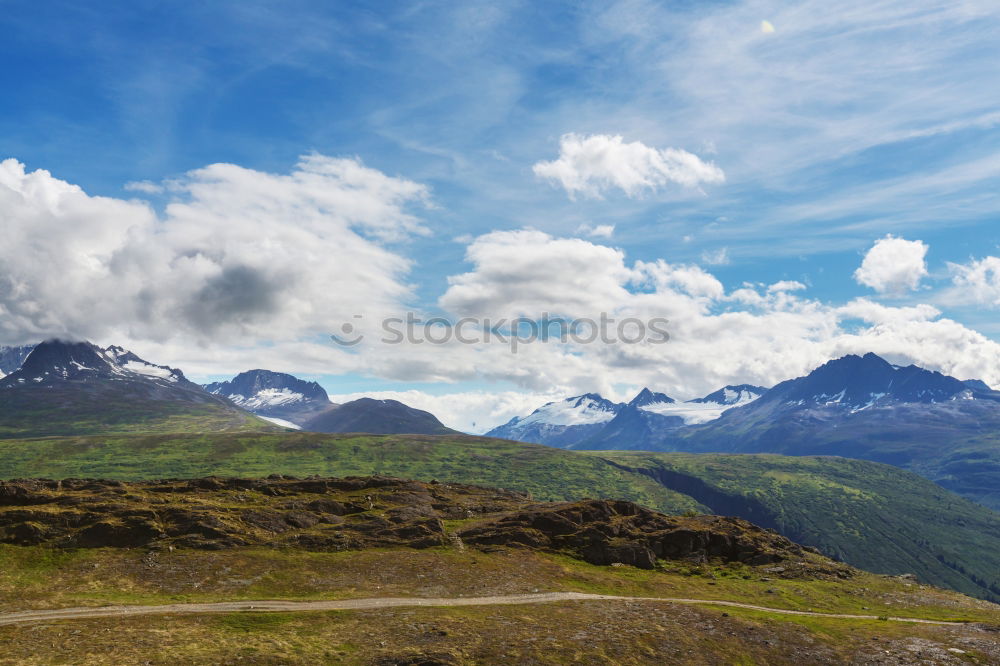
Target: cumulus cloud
column 893, row 266
column 528, row 272
column 237, row 253
column 786, row 285
column 592, row 165
column 259, row 266
column 977, row 282
column 756, row 333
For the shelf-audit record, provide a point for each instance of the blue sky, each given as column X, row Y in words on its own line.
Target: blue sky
column 844, row 124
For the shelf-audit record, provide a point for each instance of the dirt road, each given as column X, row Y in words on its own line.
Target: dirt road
column 40, row 616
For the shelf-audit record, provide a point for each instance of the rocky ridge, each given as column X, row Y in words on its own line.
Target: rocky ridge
column 354, row 513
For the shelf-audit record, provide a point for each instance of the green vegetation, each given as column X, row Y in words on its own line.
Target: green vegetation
column 546, row 473
column 611, row 632
column 870, row 515
column 876, row 517
column 100, row 576
column 53, row 411
column 954, row 444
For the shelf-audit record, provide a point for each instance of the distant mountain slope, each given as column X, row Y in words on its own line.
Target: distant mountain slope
column 940, row 427
column 11, row 358
column 368, row 415
column 274, row 395
column 876, row 517
column 562, row 423
column 870, row 515
column 76, row 388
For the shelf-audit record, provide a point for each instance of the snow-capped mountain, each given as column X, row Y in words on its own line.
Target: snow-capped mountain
column 865, row 407
column 80, row 388
column 129, row 362
column 863, row 382
column 11, row 358
column 561, row 423
column 591, row 422
column 57, row 360
column 276, row 396
column 639, row 422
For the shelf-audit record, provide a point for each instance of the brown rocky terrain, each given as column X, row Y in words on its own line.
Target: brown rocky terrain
column 358, row 513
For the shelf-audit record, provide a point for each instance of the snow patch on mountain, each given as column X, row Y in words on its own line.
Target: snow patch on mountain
column 281, row 422
column 708, row 408
column 585, row 409
column 691, row 412
column 269, row 397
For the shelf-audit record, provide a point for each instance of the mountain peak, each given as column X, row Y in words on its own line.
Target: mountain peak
column 274, row 395
column 647, row 397
column 251, row 383
column 372, row 415
column 859, row 382
column 61, row 359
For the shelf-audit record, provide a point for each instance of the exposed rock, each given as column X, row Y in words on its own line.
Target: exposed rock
column 606, row 532
column 365, row 512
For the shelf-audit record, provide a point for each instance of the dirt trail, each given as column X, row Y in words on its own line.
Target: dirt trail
column 39, row 616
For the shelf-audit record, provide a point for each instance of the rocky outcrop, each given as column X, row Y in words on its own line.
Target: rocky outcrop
column 216, row 513
column 608, row 532
column 365, row 512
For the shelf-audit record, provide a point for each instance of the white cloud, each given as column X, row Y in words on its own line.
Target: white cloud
column 893, row 266
column 592, row 165
column 260, row 266
column 529, row 272
column 597, row 231
column 786, row 285
column 719, row 257
column 757, row 333
column 977, row 282
column 144, row 186
column 238, row 254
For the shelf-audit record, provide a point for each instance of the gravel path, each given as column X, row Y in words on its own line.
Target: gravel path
column 40, row 616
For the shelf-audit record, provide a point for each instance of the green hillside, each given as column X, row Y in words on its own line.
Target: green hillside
column 48, row 411
column 870, row 515
column 546, row 473
column 875, row 516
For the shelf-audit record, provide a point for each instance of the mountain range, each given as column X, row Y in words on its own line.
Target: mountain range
column 72, row 388
column 943, row 428
column 291, row 402
column 590, row 421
